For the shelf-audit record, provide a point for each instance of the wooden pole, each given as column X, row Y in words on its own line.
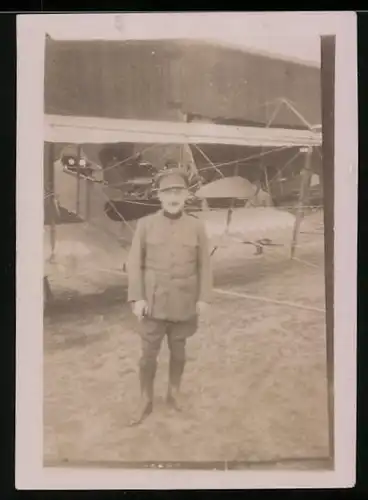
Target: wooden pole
column 280, row 182
column 328, row 155
column 89, row 187
column 50, row 204
column 78, row 180
column 204, row 203
column 267, row 180
column 52, row 199
column 303, row 194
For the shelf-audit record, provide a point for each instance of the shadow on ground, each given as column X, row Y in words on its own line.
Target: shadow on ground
column 70, row 303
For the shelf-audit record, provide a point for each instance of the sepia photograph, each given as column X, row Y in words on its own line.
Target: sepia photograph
column 187, row 226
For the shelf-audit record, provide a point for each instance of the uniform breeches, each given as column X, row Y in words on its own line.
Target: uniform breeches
column 152, row 334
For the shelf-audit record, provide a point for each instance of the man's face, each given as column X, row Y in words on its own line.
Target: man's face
column 173, row 200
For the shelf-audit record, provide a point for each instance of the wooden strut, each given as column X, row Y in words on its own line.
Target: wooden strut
column 303, row 196
column 52, row 200
column 204, row 203
column 49, row 163
column 79, row 149
column 328, row 54
column 89, row 186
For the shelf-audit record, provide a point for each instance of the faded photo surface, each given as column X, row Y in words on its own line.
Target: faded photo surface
column 187, row 250
column 247, row 127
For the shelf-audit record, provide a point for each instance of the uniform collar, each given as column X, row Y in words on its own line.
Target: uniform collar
column 172, row 216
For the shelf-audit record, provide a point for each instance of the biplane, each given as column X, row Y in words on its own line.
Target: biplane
column 100, row 182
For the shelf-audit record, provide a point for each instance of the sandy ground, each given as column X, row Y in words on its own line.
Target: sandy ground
column 255, row 384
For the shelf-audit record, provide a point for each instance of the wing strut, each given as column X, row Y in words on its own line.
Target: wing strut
column 303, row 196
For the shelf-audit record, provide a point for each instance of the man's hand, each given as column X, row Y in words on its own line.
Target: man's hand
column 140, row 308
column 202, row 308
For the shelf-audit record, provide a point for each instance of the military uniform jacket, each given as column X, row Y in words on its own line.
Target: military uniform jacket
column 169, row 266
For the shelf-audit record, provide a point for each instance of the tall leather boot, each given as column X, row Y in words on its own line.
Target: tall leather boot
column 176, row 369
column 147, row 372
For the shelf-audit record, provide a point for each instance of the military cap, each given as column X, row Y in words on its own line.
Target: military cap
column 171, row 178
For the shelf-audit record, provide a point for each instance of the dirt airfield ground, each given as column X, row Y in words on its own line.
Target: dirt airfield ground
column 255, row 385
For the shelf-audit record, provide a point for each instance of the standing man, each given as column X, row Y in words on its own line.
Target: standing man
column 169, row 284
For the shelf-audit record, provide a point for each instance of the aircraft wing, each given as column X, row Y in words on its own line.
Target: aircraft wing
column 227, row 187
column 84, row 130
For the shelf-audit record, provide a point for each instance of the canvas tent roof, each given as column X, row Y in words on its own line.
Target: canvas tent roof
column 151, row 79
column 84, row 130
